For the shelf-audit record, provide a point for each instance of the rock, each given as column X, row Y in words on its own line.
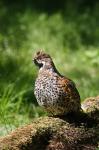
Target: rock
column 31, row 137
column 72, row 132
column 91, row 107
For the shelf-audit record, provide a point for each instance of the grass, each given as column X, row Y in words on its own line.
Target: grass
column 71, row 39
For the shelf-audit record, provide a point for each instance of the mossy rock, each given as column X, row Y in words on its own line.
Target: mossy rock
column 72, row 132
column 91, row 107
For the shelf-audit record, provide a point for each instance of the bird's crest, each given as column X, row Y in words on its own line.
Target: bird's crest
column 41, row 54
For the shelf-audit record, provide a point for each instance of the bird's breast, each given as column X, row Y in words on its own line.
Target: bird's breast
column 47, row 90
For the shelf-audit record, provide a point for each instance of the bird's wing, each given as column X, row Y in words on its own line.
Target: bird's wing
column 71, row 95
column 69, row 88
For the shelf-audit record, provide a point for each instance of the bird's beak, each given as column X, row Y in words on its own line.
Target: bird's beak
column 35, row 61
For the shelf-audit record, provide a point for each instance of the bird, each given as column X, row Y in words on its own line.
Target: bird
column 54, row 92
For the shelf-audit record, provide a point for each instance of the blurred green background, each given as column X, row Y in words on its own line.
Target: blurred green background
column 67, row 29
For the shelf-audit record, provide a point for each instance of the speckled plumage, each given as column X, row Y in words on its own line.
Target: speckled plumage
column 56, row 93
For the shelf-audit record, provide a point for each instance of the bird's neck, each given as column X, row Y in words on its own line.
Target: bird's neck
column 49, row 68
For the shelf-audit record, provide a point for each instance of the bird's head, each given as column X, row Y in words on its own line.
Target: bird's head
column 43, row 60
